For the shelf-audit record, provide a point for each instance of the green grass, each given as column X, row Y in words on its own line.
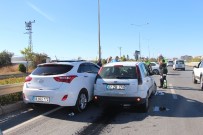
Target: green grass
column 12, row 80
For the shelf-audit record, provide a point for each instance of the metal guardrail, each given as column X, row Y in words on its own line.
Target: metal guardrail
column 13, row 75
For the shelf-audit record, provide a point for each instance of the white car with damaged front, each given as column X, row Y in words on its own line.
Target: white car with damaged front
column 61, row 83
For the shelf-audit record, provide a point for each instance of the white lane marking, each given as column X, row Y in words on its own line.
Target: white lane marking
column 13, row 116
column 31, row 120
column 173, row 92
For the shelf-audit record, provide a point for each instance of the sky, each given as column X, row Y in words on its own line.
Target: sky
column 68, row 29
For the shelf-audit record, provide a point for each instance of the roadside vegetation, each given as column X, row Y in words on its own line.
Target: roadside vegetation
column 12, row 80
column 10, row 98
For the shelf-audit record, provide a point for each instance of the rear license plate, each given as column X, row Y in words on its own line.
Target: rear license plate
column 115, row 87
column 41, row 99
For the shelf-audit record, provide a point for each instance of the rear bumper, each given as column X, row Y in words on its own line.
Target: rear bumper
column 119, row 100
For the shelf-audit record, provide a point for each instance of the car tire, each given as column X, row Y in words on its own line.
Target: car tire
column 82, row 101
column 145, row 105
column 193, row 78
column 155, row 71
column 201, row 82
column 155, row 90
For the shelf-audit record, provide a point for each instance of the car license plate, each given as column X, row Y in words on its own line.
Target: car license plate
column 115, row 87
column 41, row 99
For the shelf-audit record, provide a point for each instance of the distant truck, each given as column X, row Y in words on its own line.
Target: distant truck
column 198, row 74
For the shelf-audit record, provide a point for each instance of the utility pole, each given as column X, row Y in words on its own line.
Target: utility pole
column 28, row 27
column 99, row 30
column 120, row 51
column 140, row 25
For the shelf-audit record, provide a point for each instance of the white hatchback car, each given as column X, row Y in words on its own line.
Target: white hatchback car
column 179, row 64
column 64, row 83
column 155, row 68
column 124, row 83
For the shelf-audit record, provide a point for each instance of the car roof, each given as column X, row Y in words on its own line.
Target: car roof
column 65, row 62
column 126, row 63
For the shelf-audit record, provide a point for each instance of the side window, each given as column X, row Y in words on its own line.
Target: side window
column 201, row 65
column 94, row 68
column 152, row 64
column 84, row 68
column 143, row 69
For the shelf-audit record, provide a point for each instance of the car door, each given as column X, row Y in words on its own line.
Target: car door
column 88, row 72
column 197, row 70
column 147, row 79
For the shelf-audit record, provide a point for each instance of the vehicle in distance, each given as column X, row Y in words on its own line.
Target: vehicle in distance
column 198, row 74
column 179, row 64
column 64, row 83
column 155, row 68
column 169, row 63
column 124, row 83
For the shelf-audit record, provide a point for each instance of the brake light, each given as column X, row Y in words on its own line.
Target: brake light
column 28, row 79
column 66, row 79
column 64, row 98
column 139, row 77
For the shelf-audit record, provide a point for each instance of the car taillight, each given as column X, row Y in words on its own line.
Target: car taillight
column 28, row 79
column 66, row 79
column 139, row 77
column 64, row 97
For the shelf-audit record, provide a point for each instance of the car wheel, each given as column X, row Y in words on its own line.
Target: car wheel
column 193, row 78
column 81, row 103
column 201, row 83
column 155, row 89
column 145, row 106
column 155, row 71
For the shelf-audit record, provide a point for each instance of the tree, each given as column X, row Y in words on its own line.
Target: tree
column 5, row 58
column 28, row 54
column 123, row 58
column 39, row 58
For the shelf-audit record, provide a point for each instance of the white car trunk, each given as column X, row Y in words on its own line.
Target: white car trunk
column 43, row 83
column 117, row 87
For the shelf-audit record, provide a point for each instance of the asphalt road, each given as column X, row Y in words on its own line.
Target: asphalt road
column 173, row 111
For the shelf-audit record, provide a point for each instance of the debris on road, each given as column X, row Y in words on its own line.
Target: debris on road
column 161, row 108
column 71, row 114
column 159, row 93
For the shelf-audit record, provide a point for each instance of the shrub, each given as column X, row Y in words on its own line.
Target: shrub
column 10, row 98
column 22, row 68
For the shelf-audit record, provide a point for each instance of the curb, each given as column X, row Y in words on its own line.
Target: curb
column 11, row 107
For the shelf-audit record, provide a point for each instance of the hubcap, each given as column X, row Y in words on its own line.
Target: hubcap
column 83, row 101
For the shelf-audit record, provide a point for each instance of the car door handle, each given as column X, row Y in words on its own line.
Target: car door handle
column 85, row 76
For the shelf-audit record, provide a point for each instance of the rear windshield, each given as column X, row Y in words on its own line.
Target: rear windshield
column 118, row 72
column 180, row 62
column 52, row 69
